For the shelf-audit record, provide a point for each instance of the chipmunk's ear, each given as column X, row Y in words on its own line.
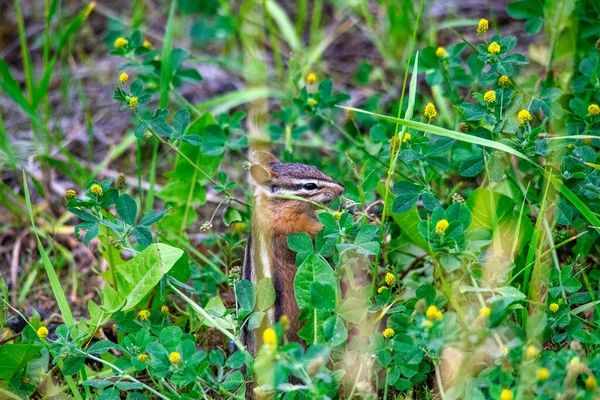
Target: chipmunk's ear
column 262, row 175
column 264, row 158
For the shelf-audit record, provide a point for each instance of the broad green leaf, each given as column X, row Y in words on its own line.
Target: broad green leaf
column 14, row 358
column 313, row 269
column 353, row 310
column 246, row 296
column 138, row 276
column 127, row 209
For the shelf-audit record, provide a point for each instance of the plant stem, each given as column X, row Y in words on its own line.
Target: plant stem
column 210, row 319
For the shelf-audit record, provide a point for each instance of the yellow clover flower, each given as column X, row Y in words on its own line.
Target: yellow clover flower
column 120, row 42
column 441, row 52
column 390, row 279
column 312, row 102
column 123, row 77
column 574, row 361
column 164, row 309
column 553, row 307
column 524, row 117
column 381, row 289
column 337, row 215
column 406, row 138
column 494, row 48
column 311, row 78
column 430, row 111
column 441, row 226
column 483, row 26
column 142, row 357
column 427, row 324
column 147, row 44
column 543, row 374
column 144, row 315
column 506, row 395
column 270, row 337
column 42, row 332
column 591, row 383
column 133, row 101
column 433, row 314
column 531, row 351
column 388, row 333
column 503, row 81
column 594, row 109
column 96, row 190
column 484, row 312
column 174, row 357
column 490, row 97
column 70, row 195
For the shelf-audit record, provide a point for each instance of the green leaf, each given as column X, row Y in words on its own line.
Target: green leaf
column 181, row 120
column 322, row 296
column 73, row 364
column 335, row 331
column 300, row 242
column 246, row 296
column 265, row 294
column 353, row 310
column 313, row 269
column 407, row 195
column 472, row 166
column 143, row 236
column 138, row 276
column 101, row 347
column 233, row 380
column 14, row 358
column 153, row 216
column 127, row 209
column 427, row 292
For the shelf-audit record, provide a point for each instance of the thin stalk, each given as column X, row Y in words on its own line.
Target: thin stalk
column 125, row 375
column 392, row 166
column 274, row 41
column 210, row 319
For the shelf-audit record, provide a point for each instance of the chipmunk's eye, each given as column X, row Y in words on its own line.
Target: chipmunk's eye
column 310, row 186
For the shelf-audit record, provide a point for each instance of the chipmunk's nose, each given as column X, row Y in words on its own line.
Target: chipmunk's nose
column 343, row 188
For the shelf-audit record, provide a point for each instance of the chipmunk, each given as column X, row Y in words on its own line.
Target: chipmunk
column 273, row 219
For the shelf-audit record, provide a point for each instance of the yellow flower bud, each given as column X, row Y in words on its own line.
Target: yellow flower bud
column 133, row 101
column 494, row 48
column 388, row 333
column 531, row 351
column 484, row 312
column 96, row 190
column 553, row 307
column 144, row 315
column 503, row 80
column 390, row 279
column 591, row 382
column 270, row 337
column 433, row 314
column 311, row 78
column 164, row 309
column 120, row 42
column 441, row 226
column 524, row 117
column 143, row 357
column 174, row 357
column 490, row 96
column 506, row 395
column 430, row 111
column 593, row 109
column 483, row 26
column 543, row 374
column 123, row 77
column 406, row 137
column 42, row 332
column 70, row 195
column 381, row 289
column 441, row 52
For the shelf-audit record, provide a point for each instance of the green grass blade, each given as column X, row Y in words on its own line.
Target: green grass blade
column 227, row 101
column 577, row 202
column 42, row 89
column 55, row 284
column 27, row 64
column 166, row 76
column 284, row 23
column 436, row 130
